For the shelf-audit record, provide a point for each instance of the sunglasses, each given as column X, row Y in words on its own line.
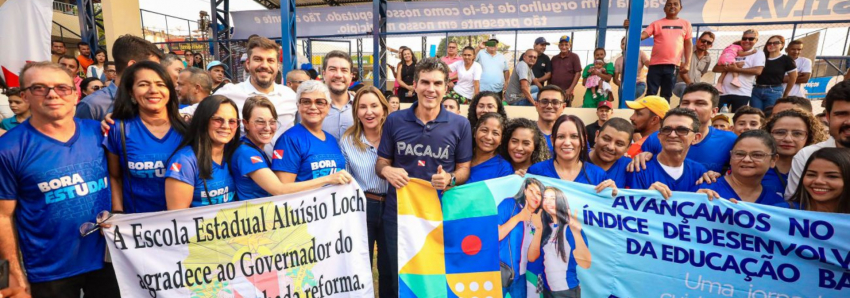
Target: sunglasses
column 774, row 43
column 748, row 38
column 88, row 228
column 705, row 41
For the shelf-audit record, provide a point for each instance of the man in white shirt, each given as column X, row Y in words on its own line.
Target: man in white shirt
column 753, row 65
column 804, row 69
column 838, row 114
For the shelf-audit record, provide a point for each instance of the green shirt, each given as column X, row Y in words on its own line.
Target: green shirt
column 589, row 100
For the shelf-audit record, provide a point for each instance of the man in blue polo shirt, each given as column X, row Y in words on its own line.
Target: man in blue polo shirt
column 671, row 170
column 54, row 178
column 551, row 101
column 612, row 141
column 711, row 150
column 126, row 51
column 424, row 142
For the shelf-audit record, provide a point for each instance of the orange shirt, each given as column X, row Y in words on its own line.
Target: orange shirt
column 669, row 40
column 634, row 148
column 84, row 63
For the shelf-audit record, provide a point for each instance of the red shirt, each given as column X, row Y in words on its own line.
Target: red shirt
column 669, row 37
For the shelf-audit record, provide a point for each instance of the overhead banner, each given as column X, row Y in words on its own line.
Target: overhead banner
column 305, row 245
column 457, row 15
column 634, row 245
column 31, row 36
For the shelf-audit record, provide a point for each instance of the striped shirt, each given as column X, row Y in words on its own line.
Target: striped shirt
column 361, row 164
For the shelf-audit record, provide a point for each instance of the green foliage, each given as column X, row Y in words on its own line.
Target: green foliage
column 471, row 40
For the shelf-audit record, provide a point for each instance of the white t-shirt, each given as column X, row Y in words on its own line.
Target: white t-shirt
column 804, row 65
column 674, row 172
column 466, row 78
column 556, row 268
column 747, row 80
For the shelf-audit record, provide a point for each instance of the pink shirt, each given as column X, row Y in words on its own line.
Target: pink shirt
column 670, row 37
column 450, row 61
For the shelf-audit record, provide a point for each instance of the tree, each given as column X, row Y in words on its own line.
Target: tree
column 471, row 40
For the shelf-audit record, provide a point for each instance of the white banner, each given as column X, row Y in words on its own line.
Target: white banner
column 26, row 26
column 311, row 244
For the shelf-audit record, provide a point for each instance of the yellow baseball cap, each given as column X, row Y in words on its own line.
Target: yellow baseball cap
column 723, row 117
column 658, row 105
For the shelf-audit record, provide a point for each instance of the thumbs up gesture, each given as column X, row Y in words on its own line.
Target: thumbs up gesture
column 442, row 179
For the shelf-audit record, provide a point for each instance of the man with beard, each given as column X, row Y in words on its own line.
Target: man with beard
column 608, row 149
column 551, row 101
column 57, row 50
column 647, row 119
column 193, row 85
column 336, row 72
column 84, row 58
column 838, row 114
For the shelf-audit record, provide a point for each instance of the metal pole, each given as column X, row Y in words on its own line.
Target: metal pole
column 141, row 13
column 847, row 51
column 794, row 32
column 288, row 34
column 602, row 23
column 379, row 15
column 630, row 71
column 516, row 48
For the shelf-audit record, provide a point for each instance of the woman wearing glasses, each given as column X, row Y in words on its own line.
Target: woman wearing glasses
column 753, row 153
column 305, row 152
column 768, row 87
column 146, row 131
column 792, row 129
column 197, row 173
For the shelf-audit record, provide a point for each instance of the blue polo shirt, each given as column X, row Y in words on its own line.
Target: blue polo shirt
column 95, row 106
column 144, row 189
column 775, row 180
column 655, row 173
column 768, row 195
column 590, row 173
column 419, row 148
column 248, row 158
column 494, row 167
column 712, row 152
column 617, row 171
column 58, row 186
column 299, row 152
column 183, row 166
column 493, row 71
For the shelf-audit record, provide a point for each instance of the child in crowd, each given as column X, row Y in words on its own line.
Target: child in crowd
column 18, row 106
column 728, row 56
column 594, row 82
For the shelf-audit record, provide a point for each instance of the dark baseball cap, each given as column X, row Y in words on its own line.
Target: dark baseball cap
column 541, row 40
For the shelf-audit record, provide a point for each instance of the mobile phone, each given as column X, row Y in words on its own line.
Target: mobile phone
column 4, row 274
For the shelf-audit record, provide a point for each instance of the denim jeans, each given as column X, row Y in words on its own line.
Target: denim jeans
column 374, row 211
column 764, row 97
column 662, row 76
column 388, row 279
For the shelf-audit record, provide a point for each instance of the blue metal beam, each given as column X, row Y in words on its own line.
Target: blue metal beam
column 379, row 42
column 630, row 70
column 221, row 33
column 288, row 35
column 602, row 23
column 88, row 26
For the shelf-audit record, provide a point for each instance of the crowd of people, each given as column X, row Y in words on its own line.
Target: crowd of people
column 147, row 132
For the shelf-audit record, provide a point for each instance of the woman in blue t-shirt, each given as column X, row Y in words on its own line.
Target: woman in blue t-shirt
column 515, row 234
column 523, row 144
column 569, row 160
column 753, row 153
column 823, row 184
column 197, row 173
column 305, row 152
column 487, row 139
column 562, row 244
column 250, row 165
column 147, row 130
column 793, row 130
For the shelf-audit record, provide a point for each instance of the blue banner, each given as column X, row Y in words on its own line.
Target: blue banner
column 644, row 246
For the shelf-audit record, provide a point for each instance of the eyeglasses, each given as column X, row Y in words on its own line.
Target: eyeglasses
column 774, row 43
column 219, row 122
column 320, row 103
column 42, row 90
column 95, row 88
column 87, row 228
column 680, row 131
column 782, row 133
column 755, row 155
column 261, row 123
column 748, row 38
column 110, row 70
column 531, row 57
column 705, row 41
column 545, row 102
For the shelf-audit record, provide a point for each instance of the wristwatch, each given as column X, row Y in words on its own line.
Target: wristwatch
column 453, row 179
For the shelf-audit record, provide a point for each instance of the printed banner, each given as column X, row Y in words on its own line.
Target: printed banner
column 639, row 244
column 31, row 20
column 457, row 15
column 311, row 244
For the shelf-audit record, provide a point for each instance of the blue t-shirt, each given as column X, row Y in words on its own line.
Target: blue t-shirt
column 148, row 156
column 655, row 173
column 572, row 276
column 58, row 186
column 768, row 195
column 617, row 171
column 247, row 159
column 590, row 174
column 494, row 167
column 493, row 71
column 510, row 247
column 712, row 152
column 775, row 180
column 299, row 152
column 419, row 148
column 549, row 143
column 183, row 166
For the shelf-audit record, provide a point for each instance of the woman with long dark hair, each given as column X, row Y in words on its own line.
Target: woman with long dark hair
column 199, row 61
column 562, row 245
column 147, row 130
column 405, row 73
column 768, row 86
column 824, row 185
column 752, row 155
column 523, row 144
column 515, row 234
column 487, row 139
column 98, row 68
column 569, row 157
column 90, row 85
column 792, row 129
column 197, row 173
column 485, row 102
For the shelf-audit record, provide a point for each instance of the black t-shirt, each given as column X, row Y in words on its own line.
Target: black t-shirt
column 542, row 66
column 591, row 133
column 775, row 69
